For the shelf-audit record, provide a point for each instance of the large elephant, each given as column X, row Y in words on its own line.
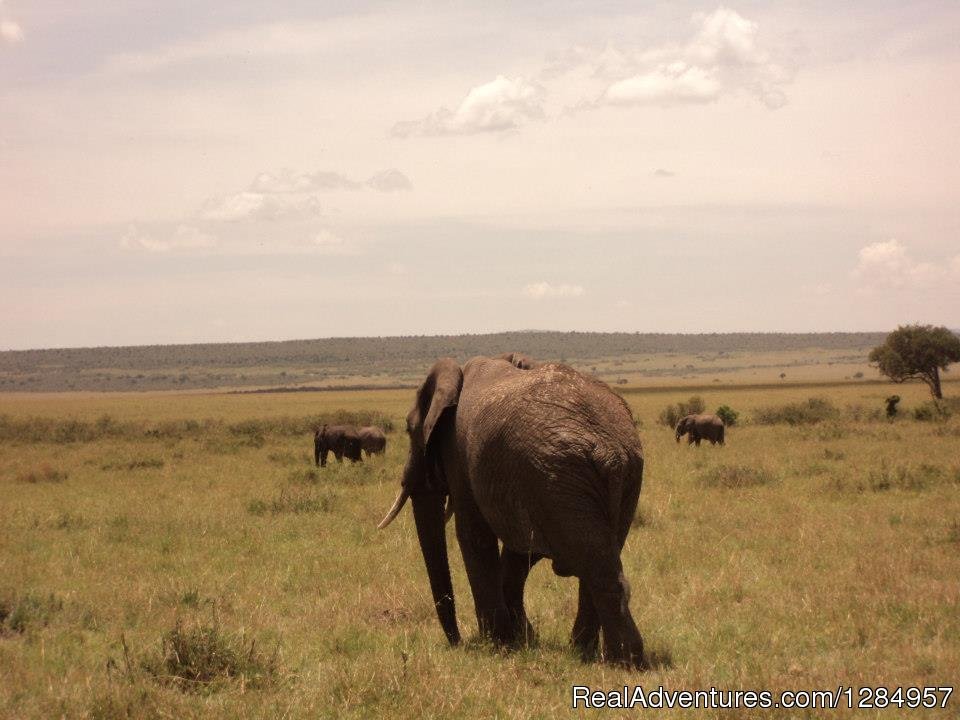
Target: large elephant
column 700, row 427
column 548, row 462
column 342, row 440
column 372, row 440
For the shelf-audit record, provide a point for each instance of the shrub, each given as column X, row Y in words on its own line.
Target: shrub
column 204, row 658
column 814, row 410
column 671, row 414
column 728, row 415
column 936, row 409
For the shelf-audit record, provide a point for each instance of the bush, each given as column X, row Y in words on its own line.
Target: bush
column 813, row 411
column 204, row 657
column 728, row 415
column 936, row 409
column 671, row 414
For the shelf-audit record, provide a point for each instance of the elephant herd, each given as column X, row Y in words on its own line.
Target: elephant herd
column 347, row 441
column 533, row 461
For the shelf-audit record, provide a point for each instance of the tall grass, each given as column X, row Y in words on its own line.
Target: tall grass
column 249, row 584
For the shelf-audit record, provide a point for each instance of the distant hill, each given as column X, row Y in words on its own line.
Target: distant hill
column 371, row 360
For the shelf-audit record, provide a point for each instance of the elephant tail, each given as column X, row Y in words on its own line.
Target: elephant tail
column 622, row 469
column 722, row 431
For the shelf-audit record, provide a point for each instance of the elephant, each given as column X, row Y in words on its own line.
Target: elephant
column 372, row 440
column 545, row 461
column 518, row 360
column 701, row 427
column 342, row 440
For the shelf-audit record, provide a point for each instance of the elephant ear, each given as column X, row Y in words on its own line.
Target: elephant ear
column 440, row 391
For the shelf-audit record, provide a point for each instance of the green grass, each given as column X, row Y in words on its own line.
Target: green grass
column 218, row 574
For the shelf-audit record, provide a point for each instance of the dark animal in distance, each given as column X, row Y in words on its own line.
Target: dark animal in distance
column 546, row 461
column 342, row 440
column 701, row 427
column 372, row 440
column 892, row 405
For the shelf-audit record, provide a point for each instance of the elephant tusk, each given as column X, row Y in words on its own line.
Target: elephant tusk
column 449, row 512
column 395, row 510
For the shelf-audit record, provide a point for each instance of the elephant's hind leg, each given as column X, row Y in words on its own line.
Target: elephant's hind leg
column 586, row 628
column 514, row 569
column 621, row 639
column 481, row 556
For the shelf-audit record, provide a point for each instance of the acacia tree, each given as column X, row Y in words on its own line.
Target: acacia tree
column 917, row 352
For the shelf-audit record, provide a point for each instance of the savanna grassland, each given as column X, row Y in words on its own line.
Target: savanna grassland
column 170, row 555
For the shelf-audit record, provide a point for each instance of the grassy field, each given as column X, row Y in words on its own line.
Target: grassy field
column 796, row 557
column 391, row 362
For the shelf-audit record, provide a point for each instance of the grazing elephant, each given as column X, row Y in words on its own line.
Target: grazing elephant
column 546, row 461
column 372, row 440
column 342, row 440
column 518, row 360
column 701, row 427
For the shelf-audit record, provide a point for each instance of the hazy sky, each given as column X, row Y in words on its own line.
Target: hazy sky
column 220, row 171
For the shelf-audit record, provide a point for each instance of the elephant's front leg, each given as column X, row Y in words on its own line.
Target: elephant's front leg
column 481, row 556
column 514, row 569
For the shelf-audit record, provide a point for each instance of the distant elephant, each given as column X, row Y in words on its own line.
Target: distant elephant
column 701, row 427
column 548, row 462
column 372, row 440
column 518, row 360
column 342, row 440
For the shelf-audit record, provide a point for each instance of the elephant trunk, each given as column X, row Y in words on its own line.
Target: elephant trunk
column 428, row 513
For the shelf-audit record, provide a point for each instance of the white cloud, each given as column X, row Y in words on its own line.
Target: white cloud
column 889, row 264
column 10, row 31
column 724, row 55
column 673, row 84
column 502, row 104
column 184, row 237
column 541, row 290
column 288, row 194
column 390, row 180
column 288, row 181
column 249, row 205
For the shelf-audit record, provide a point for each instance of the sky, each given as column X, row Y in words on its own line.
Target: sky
column 236, row 171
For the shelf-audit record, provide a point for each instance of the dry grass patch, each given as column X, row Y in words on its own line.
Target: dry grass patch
column 20, row 612
column 204, row 658
column 292, row 500
column 735, row 476
column 45, row 473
